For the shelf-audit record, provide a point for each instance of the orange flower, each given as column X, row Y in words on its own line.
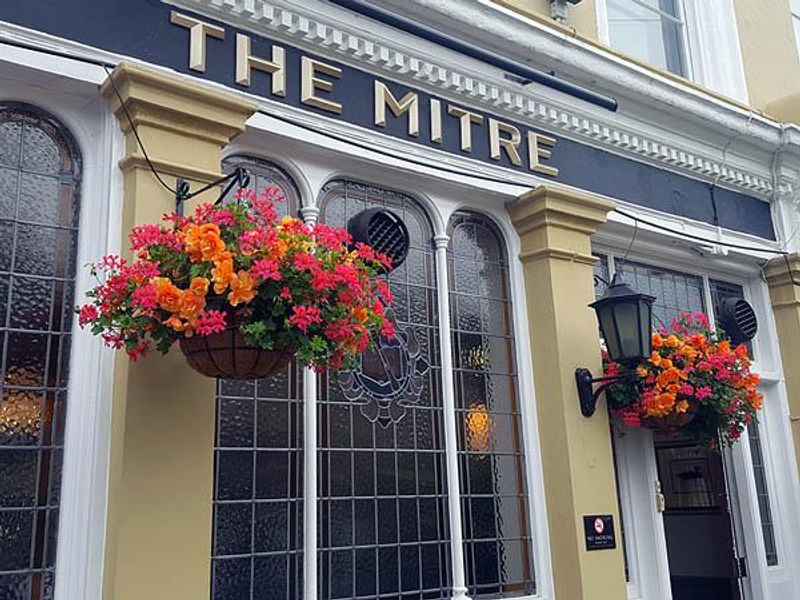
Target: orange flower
column 174, row 322
column 191, row 305
column 199, row 286
column 361, row 314
column 241, row 289
column 203, row 242
column 655, row 358
column 756, row 401
column 724, row 347
column 682, row 406
column 672, row 341
column 168, row 295
column 222, row 274
column 658, row 341
column 641, row 371
column 741, row 352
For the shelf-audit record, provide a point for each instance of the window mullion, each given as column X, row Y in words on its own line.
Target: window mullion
column 310, row 381
column 658, row 11
column 451, row 432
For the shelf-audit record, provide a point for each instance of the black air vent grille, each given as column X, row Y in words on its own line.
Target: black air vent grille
column 383, row 230
column 738, row 319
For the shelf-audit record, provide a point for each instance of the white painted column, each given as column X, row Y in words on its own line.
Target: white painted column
column 450, row 426
column 310, row 215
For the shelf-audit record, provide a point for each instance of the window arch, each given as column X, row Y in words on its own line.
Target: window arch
column 494, row 493
column 40, row 176
column 258, row 512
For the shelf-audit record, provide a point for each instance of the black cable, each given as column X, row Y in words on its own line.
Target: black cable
column 136, row 133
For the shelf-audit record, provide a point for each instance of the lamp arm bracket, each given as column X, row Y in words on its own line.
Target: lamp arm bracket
column 588, row 396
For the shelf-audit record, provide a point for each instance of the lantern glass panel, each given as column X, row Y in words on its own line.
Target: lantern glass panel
column 627, row 317
column 605, row 314
column 647, row 326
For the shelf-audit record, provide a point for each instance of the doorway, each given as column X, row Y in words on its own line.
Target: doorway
column 702, row 555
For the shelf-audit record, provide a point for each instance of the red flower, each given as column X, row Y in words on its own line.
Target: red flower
column 88, row 313
column 145, row 297
column 211, row 321
column 304, row 317
column 286, row 294
column 266, row 269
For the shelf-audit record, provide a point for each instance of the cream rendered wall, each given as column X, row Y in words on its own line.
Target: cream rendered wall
column 769, row 51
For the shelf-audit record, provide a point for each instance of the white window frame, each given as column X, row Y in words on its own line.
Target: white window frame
column 707, row 26
column 440, row 198
column 794, row 10
column 648, row 565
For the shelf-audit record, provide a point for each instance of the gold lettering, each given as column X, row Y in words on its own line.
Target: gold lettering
column 408, row 103
column 436, row 121
column 310, row 83
column 536, row 153
column 246, row 61
column 198, row 30
column 508, row 144
column 466, row 119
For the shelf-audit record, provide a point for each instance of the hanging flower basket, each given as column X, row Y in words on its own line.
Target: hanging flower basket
column 242, row 291
column 694, row 383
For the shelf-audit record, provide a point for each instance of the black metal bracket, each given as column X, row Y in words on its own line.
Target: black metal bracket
column 588, row 397
column 238, row 176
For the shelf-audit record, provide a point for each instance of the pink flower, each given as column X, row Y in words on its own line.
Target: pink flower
column 138, row 350
column 304, row 317
column 88, row 313
column 703, row 392
column 266, row 269
column 331, row 237
column 211, row 321
column 286, row 293
column 145, row 297
column 306, row 262
column 687, row 389
column 148, row 235
column 111, row 262
column 112, row 340
column 388, row 330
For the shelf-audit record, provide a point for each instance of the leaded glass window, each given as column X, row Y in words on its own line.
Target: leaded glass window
column 40, row 174
column 496, row 529
column 258, row 508
column 383, row 518
column 675, row 292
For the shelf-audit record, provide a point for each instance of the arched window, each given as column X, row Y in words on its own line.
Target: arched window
column 383, row 514
column 258, row 512
column 40, row 173
column 496, row 528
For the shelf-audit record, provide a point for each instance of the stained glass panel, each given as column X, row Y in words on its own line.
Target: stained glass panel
column 383, row 521
column 492, row 471
column 39, row 185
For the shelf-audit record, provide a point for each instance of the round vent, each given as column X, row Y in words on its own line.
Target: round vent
column 738, row 319
column 383, row 230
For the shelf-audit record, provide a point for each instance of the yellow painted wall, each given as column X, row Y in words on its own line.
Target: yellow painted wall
column 769, row 50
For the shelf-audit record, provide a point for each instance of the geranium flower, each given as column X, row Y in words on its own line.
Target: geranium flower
column 211, row 321
column 145, row 297
column 304, row 317
column 88, row 313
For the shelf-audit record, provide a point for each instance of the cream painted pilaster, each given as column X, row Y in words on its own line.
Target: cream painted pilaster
column 158, row 542
column 785, row 296
column 555, row 226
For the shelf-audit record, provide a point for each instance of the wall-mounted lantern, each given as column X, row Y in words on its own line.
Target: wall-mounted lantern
column 626, row 321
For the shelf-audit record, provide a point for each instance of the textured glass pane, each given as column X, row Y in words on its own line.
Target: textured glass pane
column 40, row 200
column 270, row 577
column 234, row 522
column 491, row 461
column 31, row 419
column 31, row 301
column 9, row 187
column 15, row 587
column 234, row 475
column 235, row 427
column 271, row 527
column 16, row 529
column 762, row 490
column 382, row 446
column 40, row 152
column 231, row 579
column 10, row 142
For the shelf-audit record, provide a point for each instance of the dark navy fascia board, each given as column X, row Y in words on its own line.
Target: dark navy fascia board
column 141, row 29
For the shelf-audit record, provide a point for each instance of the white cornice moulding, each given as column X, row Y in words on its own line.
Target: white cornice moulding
column 704, row 151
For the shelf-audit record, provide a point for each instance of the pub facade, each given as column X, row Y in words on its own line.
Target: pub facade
column 532, row 156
